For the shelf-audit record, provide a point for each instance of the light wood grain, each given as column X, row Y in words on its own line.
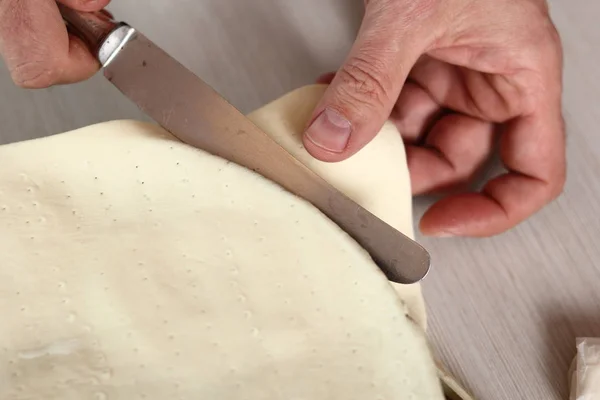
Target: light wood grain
column 505, row 311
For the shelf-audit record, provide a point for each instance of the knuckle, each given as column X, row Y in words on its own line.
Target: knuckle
column 35, row 74
column 554, row 44
column 547, row 37
column 553, row 34
column 366, row 81
column 557, row 187
column 541, row 31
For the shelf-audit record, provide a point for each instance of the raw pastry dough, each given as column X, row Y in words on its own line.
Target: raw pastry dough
column 585, row 370
column 377, row 177
column 133, row 266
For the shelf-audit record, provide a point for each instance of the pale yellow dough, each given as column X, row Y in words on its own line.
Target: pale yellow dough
column 133, row 266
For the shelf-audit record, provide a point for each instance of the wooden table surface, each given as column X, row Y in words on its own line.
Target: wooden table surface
column 505, row 311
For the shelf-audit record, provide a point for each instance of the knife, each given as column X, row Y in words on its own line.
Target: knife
column 197, row 115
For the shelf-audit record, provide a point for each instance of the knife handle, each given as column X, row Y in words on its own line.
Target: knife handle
column 92, row 27
column 98, row 30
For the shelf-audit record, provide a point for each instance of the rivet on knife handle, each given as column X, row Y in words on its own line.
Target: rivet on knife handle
column 197, row 115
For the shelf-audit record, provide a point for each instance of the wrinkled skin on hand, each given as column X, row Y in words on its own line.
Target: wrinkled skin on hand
column 36, row 46
column 457, row 77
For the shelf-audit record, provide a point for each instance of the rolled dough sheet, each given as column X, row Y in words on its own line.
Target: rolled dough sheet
column 133, row 266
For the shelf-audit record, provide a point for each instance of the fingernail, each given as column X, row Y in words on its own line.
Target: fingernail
column 443, row 234
column 438, row 233
column 330, row 131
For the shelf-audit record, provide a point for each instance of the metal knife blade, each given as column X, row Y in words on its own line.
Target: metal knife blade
column 197, row 115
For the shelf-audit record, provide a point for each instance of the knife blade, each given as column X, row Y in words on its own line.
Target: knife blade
column 197, row 115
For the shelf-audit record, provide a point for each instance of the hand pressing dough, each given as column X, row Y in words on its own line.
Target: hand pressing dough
column 133, row 266
column 377, row 177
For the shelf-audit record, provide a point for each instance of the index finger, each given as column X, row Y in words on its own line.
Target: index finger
column 36, row 46
column 533, row 150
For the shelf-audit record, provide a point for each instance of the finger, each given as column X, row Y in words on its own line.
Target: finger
column 326, row 78
column 37, row 48
column 533, row 149
column 85, row 5
column 481, row 95
column 365, row 89
column 414, row 112
column 107, row 14
column 454, row 151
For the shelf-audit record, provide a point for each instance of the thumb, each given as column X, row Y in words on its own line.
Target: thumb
column 85, row 5
column 364, row 90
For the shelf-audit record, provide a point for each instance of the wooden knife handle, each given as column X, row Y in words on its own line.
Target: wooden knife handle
column 92, row 27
